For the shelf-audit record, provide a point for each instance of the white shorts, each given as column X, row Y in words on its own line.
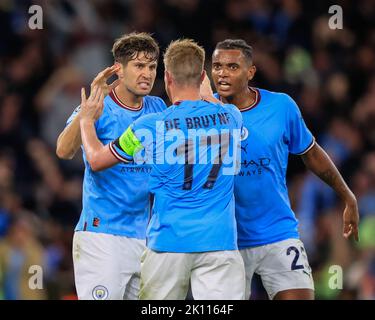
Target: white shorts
column 281, row 265
column 106, row 266
column 216, row 275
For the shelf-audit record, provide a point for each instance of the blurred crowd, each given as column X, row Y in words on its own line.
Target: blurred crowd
column 330, row 73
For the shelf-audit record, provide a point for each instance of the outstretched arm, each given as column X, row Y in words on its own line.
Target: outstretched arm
column 99, row 156
column 69, row 141
column 318, row 161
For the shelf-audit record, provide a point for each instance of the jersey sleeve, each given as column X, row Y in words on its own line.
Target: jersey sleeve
column 161, row 104
column 73, row 115
column 138, row 136
column 300, row 139
column 126, row 146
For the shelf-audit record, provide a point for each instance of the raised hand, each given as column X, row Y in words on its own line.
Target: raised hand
column 102, row 78
column 92, row 108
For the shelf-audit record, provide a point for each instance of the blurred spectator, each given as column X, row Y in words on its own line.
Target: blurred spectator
column 56, row 100
column 20, row 250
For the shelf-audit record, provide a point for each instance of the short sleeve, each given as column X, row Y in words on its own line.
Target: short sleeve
column 73, row 115
column 161, row 104
column 138, row 136
column 300, row 139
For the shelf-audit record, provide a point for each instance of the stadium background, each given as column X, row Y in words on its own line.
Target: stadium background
column 330, row 73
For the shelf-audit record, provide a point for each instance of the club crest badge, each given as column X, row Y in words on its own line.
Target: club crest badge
column 100, row 293
column 244, row 133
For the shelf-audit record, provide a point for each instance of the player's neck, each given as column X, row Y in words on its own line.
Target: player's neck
column 242, row 100
column 128, row 98
column 185, row 93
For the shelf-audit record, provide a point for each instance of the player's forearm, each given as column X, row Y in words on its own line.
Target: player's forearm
column 91, row 143
column 69, row 140
column 98, row 156
column 318, row 161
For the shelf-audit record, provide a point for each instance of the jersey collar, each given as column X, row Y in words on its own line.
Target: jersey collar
column 116, row 99
column 178, row 102
column 256, row 101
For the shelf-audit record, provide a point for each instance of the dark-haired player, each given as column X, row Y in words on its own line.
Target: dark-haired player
column 273, row 127
column 109, row 238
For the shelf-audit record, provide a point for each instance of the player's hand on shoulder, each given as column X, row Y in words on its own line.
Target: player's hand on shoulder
column 102, row 78
column 92, row 107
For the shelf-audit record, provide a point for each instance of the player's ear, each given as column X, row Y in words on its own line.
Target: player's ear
column 251, row 72
column 167, row 77
column 120, row 72
column 203, row 75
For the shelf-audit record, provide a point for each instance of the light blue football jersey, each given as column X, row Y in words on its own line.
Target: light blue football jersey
column 272, row 128
column 116, row 200
column 192, row 147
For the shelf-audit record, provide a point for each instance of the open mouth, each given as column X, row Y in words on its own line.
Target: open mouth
column 223, row 85
column 144, row 85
